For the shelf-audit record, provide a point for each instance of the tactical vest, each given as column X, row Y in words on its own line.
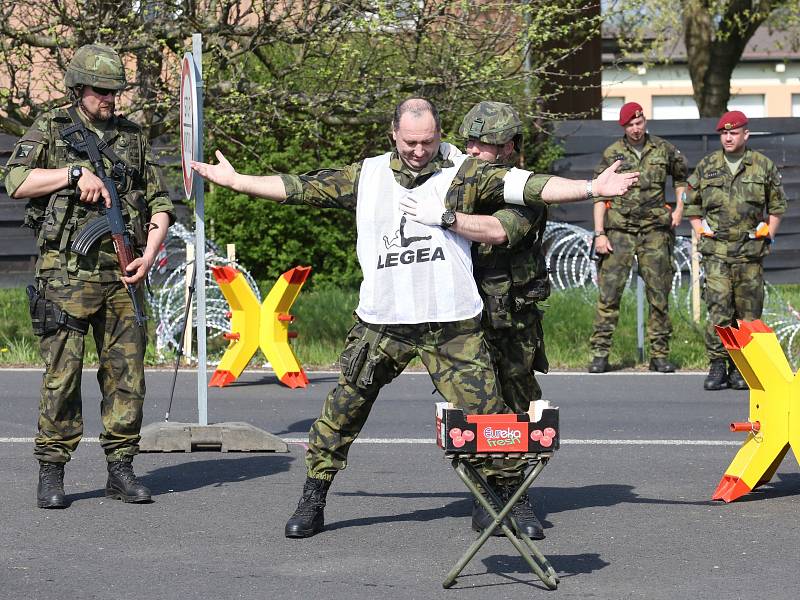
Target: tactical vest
column 643, row 207
column 58, row 218
column 511, row 281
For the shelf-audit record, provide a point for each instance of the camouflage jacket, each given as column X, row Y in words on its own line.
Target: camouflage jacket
column 644, row 206
column 476, row 189
column 733, row 205
column 56, row 219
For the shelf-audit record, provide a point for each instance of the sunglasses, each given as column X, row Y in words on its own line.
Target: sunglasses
column 103, row 91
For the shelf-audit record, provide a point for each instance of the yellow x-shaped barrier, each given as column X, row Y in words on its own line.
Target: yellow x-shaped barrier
column 265, row 326
column 774, row 420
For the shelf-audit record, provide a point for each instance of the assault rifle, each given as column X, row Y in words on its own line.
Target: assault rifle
column 110, row 220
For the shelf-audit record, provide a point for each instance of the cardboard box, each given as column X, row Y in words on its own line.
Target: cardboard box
column 534, row 431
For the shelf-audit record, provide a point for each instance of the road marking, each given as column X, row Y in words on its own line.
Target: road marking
column 410, row 373
column 566, row 442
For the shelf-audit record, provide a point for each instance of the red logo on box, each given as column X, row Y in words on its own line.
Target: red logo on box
column 505, row 437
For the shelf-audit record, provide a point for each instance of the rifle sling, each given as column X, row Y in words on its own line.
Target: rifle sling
column 101, row 145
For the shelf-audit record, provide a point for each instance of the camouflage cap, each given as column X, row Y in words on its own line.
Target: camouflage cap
column 491, row 123
column 95, row 65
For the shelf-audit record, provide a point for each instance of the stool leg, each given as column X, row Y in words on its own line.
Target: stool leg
column 473, row 487
column 524, row 545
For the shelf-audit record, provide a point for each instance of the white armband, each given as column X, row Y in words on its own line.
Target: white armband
column 514, row 186
column 449, row 151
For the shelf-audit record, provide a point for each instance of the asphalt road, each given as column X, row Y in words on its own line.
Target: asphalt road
column 625, row 503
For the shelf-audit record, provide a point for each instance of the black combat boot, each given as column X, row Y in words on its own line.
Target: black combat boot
column 309, row 518
column 662, row 365
column 735, row 379
column 50, row 492
column 122, row 483
column 522, row 511
column 599, row 364
column 717, row 377
column 481, row 518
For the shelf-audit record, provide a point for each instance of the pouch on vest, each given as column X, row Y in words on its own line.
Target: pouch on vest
column 495, row 285
column 56, row 216
column 47, row 317
column 34, row 214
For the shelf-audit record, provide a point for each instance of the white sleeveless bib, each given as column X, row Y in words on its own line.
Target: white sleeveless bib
column 413, row 273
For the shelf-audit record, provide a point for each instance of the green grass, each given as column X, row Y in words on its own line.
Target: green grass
column 568, row 322
column 324, row 315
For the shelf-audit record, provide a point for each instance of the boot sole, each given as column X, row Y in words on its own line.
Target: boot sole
column 302, row 533
column 715, row 388
column 57, row 505
column 128, row 499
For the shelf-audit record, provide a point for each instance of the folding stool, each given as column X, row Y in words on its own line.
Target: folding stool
column 531, row 437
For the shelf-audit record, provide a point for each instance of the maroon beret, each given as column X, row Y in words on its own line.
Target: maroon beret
column 732, row 119
column 629, row 111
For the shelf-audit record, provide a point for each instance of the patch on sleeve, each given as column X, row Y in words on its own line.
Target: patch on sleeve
column 23, row 150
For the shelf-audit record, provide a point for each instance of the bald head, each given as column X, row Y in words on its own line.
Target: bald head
column 416, row 108
column 416, row 132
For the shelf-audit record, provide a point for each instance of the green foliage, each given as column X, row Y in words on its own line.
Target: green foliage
column 568, row 322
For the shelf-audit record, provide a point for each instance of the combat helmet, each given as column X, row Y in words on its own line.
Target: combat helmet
column 96, row 65
column 492, row 123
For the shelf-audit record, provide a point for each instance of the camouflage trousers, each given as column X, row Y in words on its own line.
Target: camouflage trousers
column 653, row 251
column 731, row 291
column 517, row 352
column 120, row 349
column 456, row 357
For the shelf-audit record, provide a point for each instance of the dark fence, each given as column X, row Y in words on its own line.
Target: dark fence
column 583, row 143
column 778, row 138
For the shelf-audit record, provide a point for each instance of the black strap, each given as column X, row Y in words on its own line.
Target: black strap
column 119, row 166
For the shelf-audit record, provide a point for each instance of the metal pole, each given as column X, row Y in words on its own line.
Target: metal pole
column 200, row 247
column 640, row 316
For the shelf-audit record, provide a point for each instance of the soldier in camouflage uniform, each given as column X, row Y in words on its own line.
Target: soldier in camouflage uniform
column 422, row 193
column 638, row 224
column 74, row 292
column 512, row 277
column 735, row 203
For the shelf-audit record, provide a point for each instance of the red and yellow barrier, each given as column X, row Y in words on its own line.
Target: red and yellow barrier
column 774, row 421
column 265, row 326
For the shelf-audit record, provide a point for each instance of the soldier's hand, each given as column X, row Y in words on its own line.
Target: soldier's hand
column 602, row 245
column 137, row 270
column 92, row 189
column 222, row 173
column 677, row 215
column 610, row 183
column 427, row 211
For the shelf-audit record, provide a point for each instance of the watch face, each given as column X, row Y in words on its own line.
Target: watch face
column 448, row 218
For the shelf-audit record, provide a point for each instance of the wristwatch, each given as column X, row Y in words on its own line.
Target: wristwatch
column 589, row 191
column 75, row 172
column 448, row 219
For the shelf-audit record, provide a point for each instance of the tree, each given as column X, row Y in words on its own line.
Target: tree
column 715, row 33
column 293, row 84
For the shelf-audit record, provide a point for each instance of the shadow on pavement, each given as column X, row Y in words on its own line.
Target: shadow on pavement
column 297, row 427
column 272, row 379
column 198, row 474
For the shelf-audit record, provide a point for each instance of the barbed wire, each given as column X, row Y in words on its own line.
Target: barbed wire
column 169, row 291
column 567, row 253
